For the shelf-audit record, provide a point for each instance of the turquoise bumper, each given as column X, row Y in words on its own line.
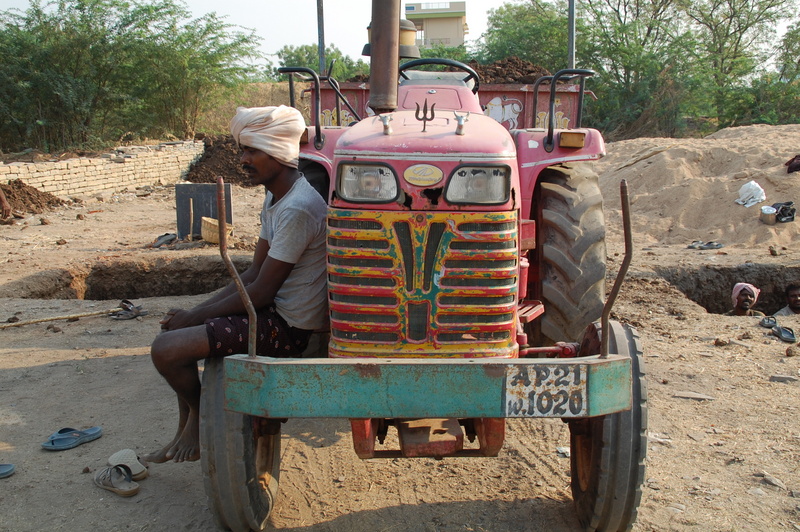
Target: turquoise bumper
column 427, row 388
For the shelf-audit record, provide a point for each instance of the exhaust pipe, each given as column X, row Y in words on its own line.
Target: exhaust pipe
column 384, row 50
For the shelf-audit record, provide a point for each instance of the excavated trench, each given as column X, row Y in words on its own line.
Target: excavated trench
column 708, row 286
column 115, row 280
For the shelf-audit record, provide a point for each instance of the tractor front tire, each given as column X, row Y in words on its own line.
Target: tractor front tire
column 240, row 457
column 607, row 453
column 570, row 252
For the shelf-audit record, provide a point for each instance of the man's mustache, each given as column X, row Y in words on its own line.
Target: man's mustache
column 248, row 167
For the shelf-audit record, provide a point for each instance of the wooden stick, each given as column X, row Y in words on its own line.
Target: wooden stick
column 72, row 316
column 191, row 218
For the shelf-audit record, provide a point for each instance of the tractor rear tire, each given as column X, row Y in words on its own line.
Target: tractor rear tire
column 570, row 252
column 608, row 452
column 240, row 457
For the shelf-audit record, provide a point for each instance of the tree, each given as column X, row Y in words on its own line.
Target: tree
column 789, row 54
column 456, row 53
column 344, row 67
column 636, row 48
column 535, row 31
column 84, row 71
column 731, row 38
column 190, row 68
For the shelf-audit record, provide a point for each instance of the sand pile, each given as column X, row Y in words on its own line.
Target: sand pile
column 685, row 189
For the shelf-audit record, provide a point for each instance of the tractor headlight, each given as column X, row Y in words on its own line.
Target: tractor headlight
column 366, row 183
column 479, row 185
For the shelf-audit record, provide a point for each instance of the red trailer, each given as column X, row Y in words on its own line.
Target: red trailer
column 510, row 104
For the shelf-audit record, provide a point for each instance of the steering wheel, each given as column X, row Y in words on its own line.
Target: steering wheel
column 471, row 74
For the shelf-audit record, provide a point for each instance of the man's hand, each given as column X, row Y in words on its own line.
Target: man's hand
column 168, row 317
column 176, row 318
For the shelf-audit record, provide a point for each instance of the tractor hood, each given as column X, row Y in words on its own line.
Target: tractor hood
column 403, row 133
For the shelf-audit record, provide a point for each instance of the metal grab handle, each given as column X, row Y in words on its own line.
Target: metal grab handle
column 583, row 73
column 623, row 269
column 223, row 250
column 319, row 140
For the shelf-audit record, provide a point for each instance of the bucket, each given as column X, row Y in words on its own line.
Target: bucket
column 768, row 215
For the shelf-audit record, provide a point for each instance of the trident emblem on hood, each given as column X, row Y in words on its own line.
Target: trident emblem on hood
column 425, row 118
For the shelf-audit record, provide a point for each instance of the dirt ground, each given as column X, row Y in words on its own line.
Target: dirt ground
column 727, row 459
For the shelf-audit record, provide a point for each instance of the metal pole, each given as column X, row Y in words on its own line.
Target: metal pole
column 623, row 268
column 223, row 250
column 571, row 35
column 321, row 38
column 384, row 50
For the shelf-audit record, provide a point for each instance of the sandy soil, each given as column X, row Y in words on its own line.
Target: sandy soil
column 729, row 462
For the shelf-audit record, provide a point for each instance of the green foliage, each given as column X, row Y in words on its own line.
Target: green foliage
column 632, row 46
column 344, row 67
column 456, row 53
column 789, row 54
column 730, row 43
column 84, row 70
column 535, row 31
column 767, row 100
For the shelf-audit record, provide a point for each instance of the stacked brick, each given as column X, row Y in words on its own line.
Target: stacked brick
column 126, row 168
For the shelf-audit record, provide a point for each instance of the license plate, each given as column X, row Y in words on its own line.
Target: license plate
column 545, row 390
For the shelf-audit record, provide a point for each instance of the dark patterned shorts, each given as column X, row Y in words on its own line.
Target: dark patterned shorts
column 274, row 337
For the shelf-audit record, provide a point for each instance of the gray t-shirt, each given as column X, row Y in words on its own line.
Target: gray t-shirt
column 295, row 228
column 785, row 311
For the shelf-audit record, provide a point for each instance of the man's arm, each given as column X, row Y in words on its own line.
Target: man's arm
column 247, row 277
column 264, row 278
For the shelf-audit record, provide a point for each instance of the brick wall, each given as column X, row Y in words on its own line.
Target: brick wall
column 125, row 168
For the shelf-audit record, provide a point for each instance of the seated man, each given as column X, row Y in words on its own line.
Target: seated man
column 286, row 281
column 5, row 206
column 744, row 296
column 792, row 300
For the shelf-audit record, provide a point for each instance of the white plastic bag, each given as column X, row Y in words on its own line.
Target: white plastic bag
column 750, row 194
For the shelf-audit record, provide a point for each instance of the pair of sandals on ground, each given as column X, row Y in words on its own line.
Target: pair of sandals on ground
column 124, row 467
column 784, row 333
column 699, row 244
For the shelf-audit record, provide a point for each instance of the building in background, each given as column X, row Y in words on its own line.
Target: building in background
column 439, row 23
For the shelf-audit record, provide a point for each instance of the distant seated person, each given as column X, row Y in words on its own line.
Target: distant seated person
column 744, row 296
column 792, row 300
column 5, row 206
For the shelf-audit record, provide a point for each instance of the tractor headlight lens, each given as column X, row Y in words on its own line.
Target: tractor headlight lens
column 485, row 185
column 366, row 183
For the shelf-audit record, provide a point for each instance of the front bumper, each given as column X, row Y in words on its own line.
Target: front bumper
column 427, row 388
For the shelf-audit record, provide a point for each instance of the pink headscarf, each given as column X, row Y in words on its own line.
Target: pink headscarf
column 737, row 289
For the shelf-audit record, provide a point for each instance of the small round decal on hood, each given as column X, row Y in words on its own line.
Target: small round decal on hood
column 423, row 175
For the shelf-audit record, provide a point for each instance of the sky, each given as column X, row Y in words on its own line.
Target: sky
column 294, row 22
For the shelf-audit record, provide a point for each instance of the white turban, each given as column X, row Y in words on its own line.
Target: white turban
column 274, row 130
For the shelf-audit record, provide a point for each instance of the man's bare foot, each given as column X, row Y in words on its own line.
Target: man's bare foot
column 162, row 455
column 187, row 448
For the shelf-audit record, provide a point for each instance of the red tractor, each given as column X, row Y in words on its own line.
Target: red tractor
column 466, row 275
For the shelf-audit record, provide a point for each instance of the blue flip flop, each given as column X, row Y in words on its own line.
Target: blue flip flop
column 784, row 333
column 6, row 470
column 768, row 321
column 68, row 438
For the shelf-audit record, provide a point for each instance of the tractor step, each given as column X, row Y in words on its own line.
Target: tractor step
column 430, row 437
column 529, row 310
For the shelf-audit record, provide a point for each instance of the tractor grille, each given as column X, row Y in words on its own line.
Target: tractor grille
column 422, row 284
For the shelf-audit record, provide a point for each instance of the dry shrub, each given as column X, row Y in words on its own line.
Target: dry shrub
column 217, row 119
